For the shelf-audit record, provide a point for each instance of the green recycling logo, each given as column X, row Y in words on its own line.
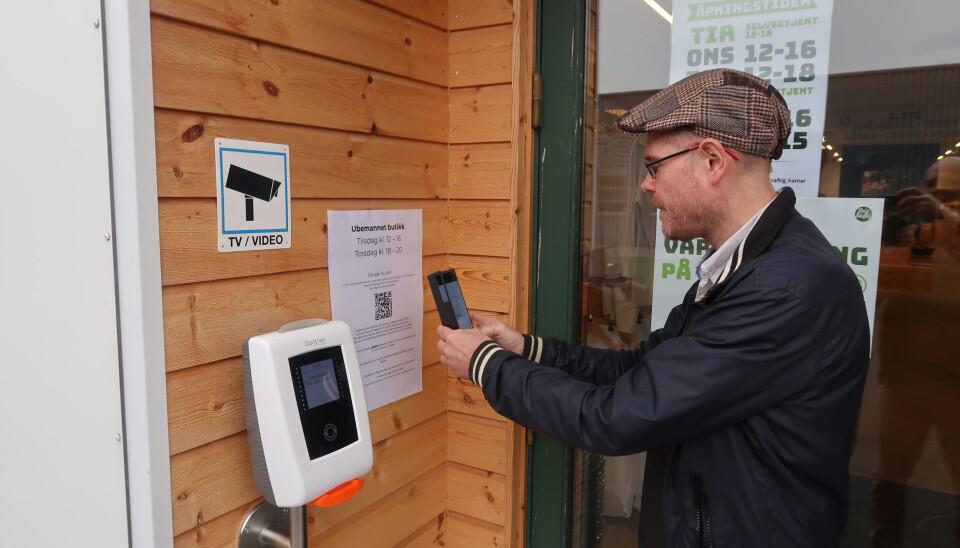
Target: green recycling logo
column 863, row 214
column 863, row 283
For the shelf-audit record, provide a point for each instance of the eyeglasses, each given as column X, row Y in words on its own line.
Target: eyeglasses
column 652, row 166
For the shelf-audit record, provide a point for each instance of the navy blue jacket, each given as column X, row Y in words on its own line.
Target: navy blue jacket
column 746, row 400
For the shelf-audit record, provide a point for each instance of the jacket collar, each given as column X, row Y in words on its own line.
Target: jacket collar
column 764, row 231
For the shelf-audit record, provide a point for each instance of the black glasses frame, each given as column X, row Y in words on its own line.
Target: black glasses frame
column 653, row 173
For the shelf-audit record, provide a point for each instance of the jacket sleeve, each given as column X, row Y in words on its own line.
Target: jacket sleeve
column 598, row 365
column 743, row 354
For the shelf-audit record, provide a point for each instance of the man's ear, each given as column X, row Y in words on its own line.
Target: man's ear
column 717, row 159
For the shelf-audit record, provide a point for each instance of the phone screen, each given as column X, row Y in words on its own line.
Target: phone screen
column 449, row 298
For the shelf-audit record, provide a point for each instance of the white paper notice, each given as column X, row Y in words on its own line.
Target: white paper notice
column 785, row 42
column 376, row 286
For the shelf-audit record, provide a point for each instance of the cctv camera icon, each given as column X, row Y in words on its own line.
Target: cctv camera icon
column 251, row 185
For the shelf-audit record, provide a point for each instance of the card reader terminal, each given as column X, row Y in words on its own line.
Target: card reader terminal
column 307, row 422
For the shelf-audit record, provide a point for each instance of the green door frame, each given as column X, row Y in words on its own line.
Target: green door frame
column 561, row 29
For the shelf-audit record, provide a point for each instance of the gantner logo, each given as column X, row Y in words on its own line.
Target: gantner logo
column 314, row 342
column 863, row 214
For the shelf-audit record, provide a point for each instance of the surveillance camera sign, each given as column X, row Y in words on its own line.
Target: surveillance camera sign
column 253, row 195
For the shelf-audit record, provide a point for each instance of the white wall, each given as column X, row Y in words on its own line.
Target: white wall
column 62, row 475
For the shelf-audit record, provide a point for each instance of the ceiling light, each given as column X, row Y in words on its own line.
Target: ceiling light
column 660, row 11
column 948, row 152
column 829, row 147
column 940, row 157
column 835, row 154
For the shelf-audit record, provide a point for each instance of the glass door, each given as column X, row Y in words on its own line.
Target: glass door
column 891, row 130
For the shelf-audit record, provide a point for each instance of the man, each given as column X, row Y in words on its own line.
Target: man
column 746, row 399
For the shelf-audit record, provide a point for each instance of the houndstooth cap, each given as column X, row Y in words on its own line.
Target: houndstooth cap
column 738, row 109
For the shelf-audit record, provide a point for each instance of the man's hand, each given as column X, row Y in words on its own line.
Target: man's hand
column 504, row 335
column 914, row 203
column 457, row 347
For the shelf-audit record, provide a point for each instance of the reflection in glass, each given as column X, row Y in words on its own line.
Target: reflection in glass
column 893, row 134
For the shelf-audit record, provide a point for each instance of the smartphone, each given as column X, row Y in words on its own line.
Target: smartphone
column 449, row 299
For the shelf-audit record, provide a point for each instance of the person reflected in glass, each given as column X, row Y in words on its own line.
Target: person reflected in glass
column 919, row 372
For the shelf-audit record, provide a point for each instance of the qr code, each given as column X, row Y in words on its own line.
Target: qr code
column 384, row 304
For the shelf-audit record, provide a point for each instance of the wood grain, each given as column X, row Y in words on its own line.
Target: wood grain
column 205, row 404
column 203, row 70
column 480, row 228
column 410, row 454
column 323, row 163
column 466, row 397
column 480, row 114
column 469, row 531
column 210, row 481
column 219, row 532
column 477, row 442
column 480, row 172
column 485, row 281
column 390, row 520
column 433, row 12
column 467, row 14
column 208, row 321
column 188, row 238
column 352, row 31
column 480, row 56
column 431, row 534
column 396, row 417
column 477, row 493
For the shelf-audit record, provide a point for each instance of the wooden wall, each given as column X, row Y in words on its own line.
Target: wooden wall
column 385, row 104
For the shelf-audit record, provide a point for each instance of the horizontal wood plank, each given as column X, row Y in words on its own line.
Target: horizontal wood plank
column 430, row 535
column 477, row 493
column 474, row 532
column 481, row 56
column 396, row 417
column 485, row 281
column 323, row 163
column 205, row 404
column 220, row 532
column 479, row 172
column 210, row 481
column 480, row 114
column 480, row 228
column 201, row 494
column 433, row 12
column 390, row 520
column 409, row 454
column 203, row 70
column 188, row 241
column 209, row 321
column 465, row 397
column 467, row 14
column 352, row 31
column 477, row 442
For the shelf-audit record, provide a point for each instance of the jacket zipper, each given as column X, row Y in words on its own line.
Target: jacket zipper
column 686, row 317
column 704, row 533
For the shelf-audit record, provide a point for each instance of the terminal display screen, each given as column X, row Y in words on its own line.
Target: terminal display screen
column 319, row 383
column 323, row 400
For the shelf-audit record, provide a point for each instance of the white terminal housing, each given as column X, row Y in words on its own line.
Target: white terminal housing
column 307, row 421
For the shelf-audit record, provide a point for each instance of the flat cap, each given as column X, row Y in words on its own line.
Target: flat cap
column 738, row 109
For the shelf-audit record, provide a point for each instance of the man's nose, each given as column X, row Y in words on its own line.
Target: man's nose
column 647, row 184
